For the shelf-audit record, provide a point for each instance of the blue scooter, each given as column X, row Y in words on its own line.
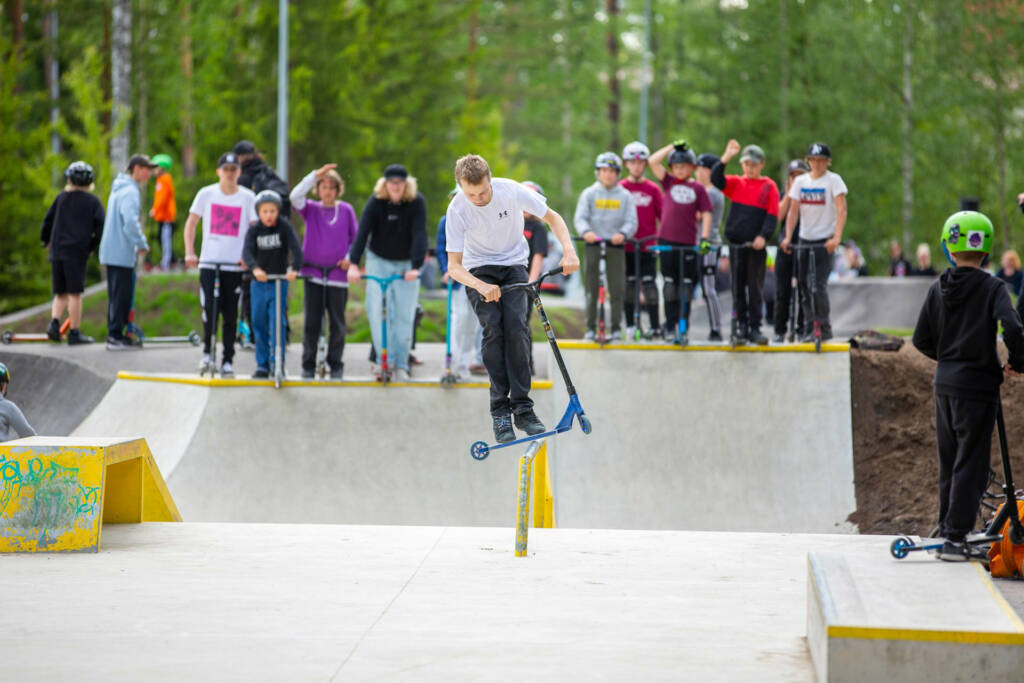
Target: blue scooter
column 480, row 450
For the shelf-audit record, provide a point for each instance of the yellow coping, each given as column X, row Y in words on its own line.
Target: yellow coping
column 829, row 347
column 176, row 378
column 1010, row 613
column 57, row 492
column 926, row 635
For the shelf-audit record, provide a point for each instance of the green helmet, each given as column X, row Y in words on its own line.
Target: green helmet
column 163, row 161
column 967, row 231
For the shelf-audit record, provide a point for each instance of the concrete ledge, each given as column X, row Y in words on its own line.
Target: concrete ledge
column 828, row 347
column 182, row 378
column 913, row 620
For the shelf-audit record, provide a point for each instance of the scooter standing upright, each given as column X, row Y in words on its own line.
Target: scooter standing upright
column 448, row 378
column 638, row 247
column 384, row 282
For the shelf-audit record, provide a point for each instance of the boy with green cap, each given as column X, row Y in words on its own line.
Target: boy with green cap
column 957, row 327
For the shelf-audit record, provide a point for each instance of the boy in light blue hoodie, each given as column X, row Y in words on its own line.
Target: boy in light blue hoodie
column 122, row 239
column 605, row 212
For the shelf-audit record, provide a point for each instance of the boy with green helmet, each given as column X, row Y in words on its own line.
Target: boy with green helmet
column 10, row 414
column 957, row 327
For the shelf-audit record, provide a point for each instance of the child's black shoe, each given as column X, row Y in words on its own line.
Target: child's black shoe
column 954, row 551
column 529, row 423
column 503, row 428
column 53, row 331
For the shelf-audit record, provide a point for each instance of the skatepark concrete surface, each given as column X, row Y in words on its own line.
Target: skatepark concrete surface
column 358, row 603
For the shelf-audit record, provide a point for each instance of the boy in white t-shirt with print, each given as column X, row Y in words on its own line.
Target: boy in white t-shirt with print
column 818, row 201
column 226, row 209
column 486, row 250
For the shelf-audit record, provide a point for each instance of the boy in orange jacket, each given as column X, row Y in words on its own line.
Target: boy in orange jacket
column 164, row 209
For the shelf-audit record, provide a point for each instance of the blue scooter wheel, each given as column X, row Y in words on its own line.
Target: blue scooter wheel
column 899, row 547
column 480, row 450
column 585, row 424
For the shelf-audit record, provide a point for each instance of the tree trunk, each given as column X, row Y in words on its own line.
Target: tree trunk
column 15, row 12
column 1000, row 140
column 121, row 84
column 51, row 66
column 106, row 68
column 783, row 40
column 141, row 82
column 614, row 101
column 188, row 128
column 907, row 124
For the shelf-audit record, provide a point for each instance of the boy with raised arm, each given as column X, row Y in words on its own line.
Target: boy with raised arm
column 487, row 249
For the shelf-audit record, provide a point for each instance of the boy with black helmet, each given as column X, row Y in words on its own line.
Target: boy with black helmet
column 72, row 228
column 785, row 262
column 818, row 200
column 685, row 222
column 648, row 201
column 605, row 211
column 957, row 327
column 267, row 244
column 709, row 259
column 10, row 414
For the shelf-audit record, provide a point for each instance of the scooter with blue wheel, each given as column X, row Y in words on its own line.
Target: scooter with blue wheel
column 574, row 411
column 1005, row 531
column 686, row 287
column 448, row 378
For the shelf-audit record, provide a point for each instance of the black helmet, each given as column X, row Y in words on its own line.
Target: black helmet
column 682, row 155
column 798, row 166
column 267, row 197
column 707, row 160
column 80, row 174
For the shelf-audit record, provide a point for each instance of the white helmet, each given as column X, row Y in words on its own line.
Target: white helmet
column 636, row 150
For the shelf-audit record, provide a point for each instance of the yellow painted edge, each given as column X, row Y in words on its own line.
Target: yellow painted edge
column 926, row 635
column 1010, row 613
column 831, row 347
column 243, row 382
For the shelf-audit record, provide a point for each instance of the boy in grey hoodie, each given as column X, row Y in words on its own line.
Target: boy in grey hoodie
column 605, row 212
column 122, row 238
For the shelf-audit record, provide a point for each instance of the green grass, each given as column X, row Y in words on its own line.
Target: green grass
column 168, row 305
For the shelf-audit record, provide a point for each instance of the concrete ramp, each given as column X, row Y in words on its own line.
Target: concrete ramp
column 707, row 440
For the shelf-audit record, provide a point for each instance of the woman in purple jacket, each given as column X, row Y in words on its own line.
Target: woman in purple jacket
column 330, row 229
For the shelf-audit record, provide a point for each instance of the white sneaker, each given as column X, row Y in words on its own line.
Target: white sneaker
column 226, row 370
column 205, row 362
column 589, row 336
column 616, row 336
column 402, row 375
column 630, row 332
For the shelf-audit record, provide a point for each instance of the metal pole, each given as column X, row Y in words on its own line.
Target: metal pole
column 646, row 79
column 523, row 501
column 278, row 342
column 282, row 90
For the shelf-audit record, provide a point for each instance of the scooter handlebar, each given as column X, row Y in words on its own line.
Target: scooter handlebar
column 382, row 280
column 535, row 283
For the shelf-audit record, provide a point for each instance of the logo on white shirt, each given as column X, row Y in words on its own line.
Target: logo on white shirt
column 503, row 214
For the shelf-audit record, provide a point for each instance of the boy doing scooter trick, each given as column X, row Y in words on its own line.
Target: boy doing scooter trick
column 486, row 249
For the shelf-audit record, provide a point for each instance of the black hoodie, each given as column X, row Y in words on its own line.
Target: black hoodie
column 958, row 326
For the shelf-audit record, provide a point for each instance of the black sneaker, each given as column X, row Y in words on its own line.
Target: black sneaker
column 115, row 344
column 337, row 372
column 757, row 338
column 715, row 336
column 954, row 551
column 76, row 337
column 308, row 374
column 261, row 373
column 778, row 338
column 502, row 425
column 529, row 423
column 53, row 330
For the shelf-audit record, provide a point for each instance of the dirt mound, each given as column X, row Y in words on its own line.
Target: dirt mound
column 894, row 452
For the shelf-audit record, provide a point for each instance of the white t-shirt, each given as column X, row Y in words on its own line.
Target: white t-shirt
column 226, row 219
column 817, row 204
column 492, row 235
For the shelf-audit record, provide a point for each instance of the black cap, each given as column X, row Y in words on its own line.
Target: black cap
column 819, row 149
column 707, row 160
column 244, row 147
column 140, row 160
column 798, row 166
column 396, row 171
column 227, row 158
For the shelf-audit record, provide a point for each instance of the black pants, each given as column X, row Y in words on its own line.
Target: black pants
column 784, row 293
column 227, row 308
column 333, row 300
column 822, row 267
column 120, row 282
column 506, row 343
column 670, row 265
column 648, row 287
column 747, row 266
column 963, row 429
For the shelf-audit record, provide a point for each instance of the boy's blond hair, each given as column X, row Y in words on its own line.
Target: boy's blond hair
column 380, row 192
column 1014, row 258
column 472, row 169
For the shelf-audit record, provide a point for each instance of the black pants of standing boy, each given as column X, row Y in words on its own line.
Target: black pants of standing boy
column 963, row 429
column 648, row 287
column 785, row 264
column 748, row 266
column 506, row 342
column 316, row 301
column 227, row 308
column 119, row 299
